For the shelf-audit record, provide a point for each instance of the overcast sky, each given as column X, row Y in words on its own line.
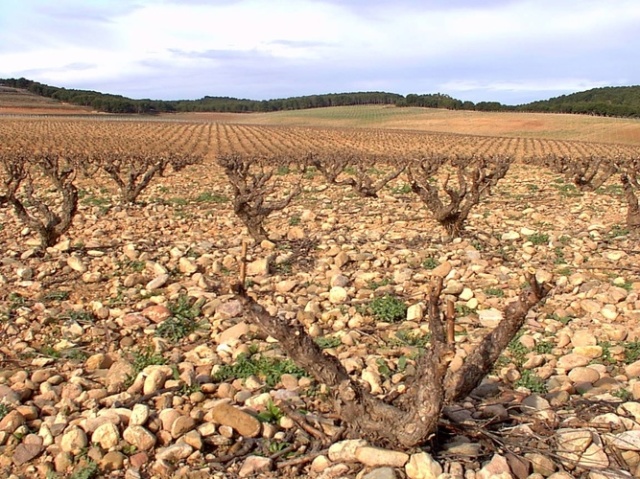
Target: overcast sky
column 512, row 51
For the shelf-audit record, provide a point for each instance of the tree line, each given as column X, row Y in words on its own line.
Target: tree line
column 607, row 101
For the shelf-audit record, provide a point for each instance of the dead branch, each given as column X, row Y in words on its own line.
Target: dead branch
column 415, row 415
column 250, row 180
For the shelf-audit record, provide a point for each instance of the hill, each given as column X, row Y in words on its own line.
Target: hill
column 621, row 101
column 608, row 101
column 18, row 100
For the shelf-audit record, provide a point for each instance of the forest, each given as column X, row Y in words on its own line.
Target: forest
column 621, row 101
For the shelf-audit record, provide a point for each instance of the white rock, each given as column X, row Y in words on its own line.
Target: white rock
column 422, row 466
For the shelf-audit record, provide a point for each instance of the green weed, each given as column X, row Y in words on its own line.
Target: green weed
column 268, row 369
column 539, row 238
column 327, row 342
column 388, row 308
column 182, row 322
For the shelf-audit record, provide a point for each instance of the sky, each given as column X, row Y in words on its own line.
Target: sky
column 511, row 51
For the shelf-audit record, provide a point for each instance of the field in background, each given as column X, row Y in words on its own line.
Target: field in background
column 525, row 125
column 501, row 124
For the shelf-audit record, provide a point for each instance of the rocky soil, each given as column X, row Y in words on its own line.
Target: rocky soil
column 123, row 353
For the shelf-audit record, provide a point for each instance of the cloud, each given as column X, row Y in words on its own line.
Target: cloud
column 504, row 49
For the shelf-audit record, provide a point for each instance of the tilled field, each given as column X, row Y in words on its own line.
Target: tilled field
column 124, row 353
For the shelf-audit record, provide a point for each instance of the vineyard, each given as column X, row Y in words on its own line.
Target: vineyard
column 214, row 299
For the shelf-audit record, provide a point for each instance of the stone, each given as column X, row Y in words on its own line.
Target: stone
column 541, row 464
column 422, row 466
column 229, row 309
column 175, row 452
column 345, row 451
column 572, row 360
column 590, row 306
column 76, row 264
column 234, row 332
column 12, row 421
column 253, row 465
column 259, row 267
column 74, row 440
column 245, row 424
column 8, row 396
column 97, row 361
column 375, row 457
column 631, row 370
column 155, row 379
column 489, row 318
column 442, row 270
column 381, row 473
column 584, row 375
column 156, row 313
column 187, row 265
column 139, row 415
column 107, row 435
column 628, row 440
column 139, row 437
column 583, row 337
column 338, row 295
column 182, row 425
column 28, row 449
column 157, row 282
column 415, row 312
column 112, row 461
column 510, row 236
column 498, row 467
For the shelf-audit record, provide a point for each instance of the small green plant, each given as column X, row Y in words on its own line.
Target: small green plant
column 402, row 190
column 383, row 368
column 388, row 308
column 543, row 347
column 631, row 351
column 87, row 470
column 563, row 319
column 328, row 342
column 4, row 410
column 56, row 295
column 464, row 310
column 182, row 321
column 430, row 263
column 378, row 284
column 294, row 220
column 606, row 357
column 533, row 383
column 496, row 292
column 283, row 170
column 208, row 197
column 130, row 266
column 406, row 337
column 310, row 173
column 623, row 394
column 628, row 285
column 269, row 369
column 129, row 449
column 271, row 414
column 613, row 190
column 50, row 351
column 618, row 230
column 349, row 170
column 517, row 350
column 539, row 238
column 532, row 188
column 568, row 191
column 559, row 252
column 284, row 267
